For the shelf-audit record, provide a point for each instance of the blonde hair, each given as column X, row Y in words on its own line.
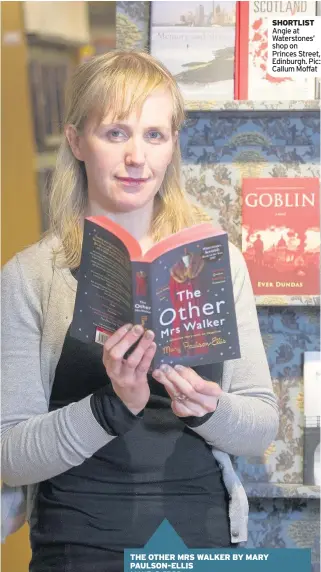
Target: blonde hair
column 117, row 82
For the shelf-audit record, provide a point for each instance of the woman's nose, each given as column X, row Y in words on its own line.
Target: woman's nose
column 135, row 152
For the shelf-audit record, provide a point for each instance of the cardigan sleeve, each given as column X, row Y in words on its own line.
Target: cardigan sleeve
column 37, row 444
column 246, row 419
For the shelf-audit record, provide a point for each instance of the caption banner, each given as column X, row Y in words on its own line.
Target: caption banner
column 294, row 47
column 166, row 551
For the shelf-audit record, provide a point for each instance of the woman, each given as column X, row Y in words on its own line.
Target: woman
column 108, row 451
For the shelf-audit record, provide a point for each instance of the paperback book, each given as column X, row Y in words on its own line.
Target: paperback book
column 181, row 289
column 281, row 235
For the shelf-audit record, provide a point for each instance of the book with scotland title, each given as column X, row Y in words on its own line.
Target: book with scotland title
column 252, row 79
column 181, row 289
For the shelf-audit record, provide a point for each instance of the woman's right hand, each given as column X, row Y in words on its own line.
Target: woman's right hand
column 129, row 376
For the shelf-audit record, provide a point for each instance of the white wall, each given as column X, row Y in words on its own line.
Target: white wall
column 64, row 21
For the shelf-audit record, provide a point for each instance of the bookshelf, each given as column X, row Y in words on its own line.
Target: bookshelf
column 287, row 301
column 280, row 504
column 220, row 105
column 20, row 215
column 282, row 490
column 262, row 494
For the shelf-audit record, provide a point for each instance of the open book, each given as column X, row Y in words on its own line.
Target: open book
column 181, row 289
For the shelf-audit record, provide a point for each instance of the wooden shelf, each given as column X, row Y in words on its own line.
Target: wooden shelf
column 287, row 300
column 313, row 104
column 282, row 490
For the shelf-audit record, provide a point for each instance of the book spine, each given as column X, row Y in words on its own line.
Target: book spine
column 311, row 443
column 241, row 51
column 237, row 51
column 141, row 288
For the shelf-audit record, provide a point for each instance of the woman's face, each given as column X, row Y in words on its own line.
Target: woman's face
column 126, row 161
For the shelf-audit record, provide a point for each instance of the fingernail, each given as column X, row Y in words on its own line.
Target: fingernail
column 156, row 373
column 149, row 335
column 128, row 327
column 179, row 367
column 137, row 330
column 165, row 368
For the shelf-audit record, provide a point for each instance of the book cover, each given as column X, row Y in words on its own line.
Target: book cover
column 312, row 413
column 253, row 80
column 281, row 235
column 181, row 289
column 196, row 42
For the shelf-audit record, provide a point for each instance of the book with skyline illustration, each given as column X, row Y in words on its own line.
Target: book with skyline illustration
column 196, row 42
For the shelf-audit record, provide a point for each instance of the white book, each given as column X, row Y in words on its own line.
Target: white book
column 196, row 42
column 312, row 413
column 312, row 385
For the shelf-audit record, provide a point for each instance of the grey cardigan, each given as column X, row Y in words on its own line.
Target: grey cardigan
column 37, row 306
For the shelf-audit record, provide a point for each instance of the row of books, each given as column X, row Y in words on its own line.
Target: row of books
column 47, row 83
column 215, row 50
column 218, row 50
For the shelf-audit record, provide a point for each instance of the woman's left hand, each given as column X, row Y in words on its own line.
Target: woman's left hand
column 190, row 393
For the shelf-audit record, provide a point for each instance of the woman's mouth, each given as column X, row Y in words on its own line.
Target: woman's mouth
column 131, row 181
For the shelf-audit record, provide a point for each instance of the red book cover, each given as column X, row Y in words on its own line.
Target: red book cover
column 281, row 235
column 241, row 51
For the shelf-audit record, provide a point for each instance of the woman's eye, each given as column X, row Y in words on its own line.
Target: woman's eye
column 115, row 134
column 155, row 135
